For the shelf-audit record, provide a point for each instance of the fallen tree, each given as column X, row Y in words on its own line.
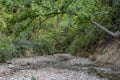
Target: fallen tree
column 114, row 34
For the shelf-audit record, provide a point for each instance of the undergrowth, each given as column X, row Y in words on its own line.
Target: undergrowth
column 49, row 26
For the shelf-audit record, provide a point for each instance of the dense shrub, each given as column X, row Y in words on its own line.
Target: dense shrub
column 47, row 26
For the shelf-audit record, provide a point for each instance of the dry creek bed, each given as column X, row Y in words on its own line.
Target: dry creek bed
column 55, row 67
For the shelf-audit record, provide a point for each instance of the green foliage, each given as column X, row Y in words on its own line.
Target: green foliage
column 9, row 50
column 33, row 78
column 80, row 39
column 44, row 43
column 45, row 26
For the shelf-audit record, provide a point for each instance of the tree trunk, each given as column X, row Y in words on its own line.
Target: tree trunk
column 105, row 29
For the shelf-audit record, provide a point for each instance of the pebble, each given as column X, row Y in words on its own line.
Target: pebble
column 23, row 69
column 50, row 74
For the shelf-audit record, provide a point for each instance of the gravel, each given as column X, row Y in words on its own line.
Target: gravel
column 76, row 61
column 38, row 68
column 50, row 74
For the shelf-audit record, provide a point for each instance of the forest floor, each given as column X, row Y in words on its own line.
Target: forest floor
column 55, row 67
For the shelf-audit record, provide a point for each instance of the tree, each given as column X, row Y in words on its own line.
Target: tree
column 31, row 25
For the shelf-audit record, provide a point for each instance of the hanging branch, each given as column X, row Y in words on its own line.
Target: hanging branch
column 105, row 29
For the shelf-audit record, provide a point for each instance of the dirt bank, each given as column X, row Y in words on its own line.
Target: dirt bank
column 110, row 54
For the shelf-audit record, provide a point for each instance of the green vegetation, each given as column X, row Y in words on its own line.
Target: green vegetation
column 46, row 26
column 33, row 78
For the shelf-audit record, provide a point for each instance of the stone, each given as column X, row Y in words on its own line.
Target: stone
column 10, row 66
column 63, row 57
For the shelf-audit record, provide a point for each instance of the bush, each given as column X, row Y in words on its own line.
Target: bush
column 44, row 44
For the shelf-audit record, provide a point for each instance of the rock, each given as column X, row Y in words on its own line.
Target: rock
column 76, row 61
column 10, row 66
column 92, row 57
column 63, row 57
column 8, row 62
